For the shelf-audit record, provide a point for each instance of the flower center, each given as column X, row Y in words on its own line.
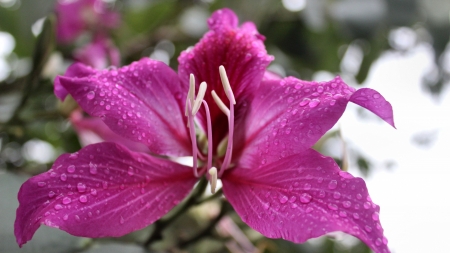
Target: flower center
column 193, row 105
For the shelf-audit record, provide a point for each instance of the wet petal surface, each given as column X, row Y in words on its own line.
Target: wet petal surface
column 143, row 102
column 102, row 190
column 288, row 116
column 302, row 197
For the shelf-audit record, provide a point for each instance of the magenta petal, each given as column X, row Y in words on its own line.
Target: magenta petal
column 287, row 116
column 304, row 196
column 239, row 49
column 98, row 54
column 75, row 70
column 373, row 101
column 143, row 102
column 93, row 130
column 102, row 190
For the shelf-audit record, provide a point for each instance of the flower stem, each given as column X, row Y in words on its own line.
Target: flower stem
column 225, row 207
column 160, row 225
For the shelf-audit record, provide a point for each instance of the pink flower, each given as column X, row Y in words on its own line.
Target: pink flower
column 98, row 54
column 260, row 147
column 76, row 16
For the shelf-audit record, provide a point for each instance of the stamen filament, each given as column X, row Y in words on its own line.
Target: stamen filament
column 199, row 99
column 226, row 84
column 193, row 138
column 220, row 104
column 213, row 174
column 209, row 132
column 229, row 152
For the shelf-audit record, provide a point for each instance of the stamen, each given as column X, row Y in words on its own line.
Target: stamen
column 199, row 99
column 193, row 138
column 226, row 84
column 209, row 130
column 220, row 104
column 191, row 94
column 229, row 152
column 213, row 174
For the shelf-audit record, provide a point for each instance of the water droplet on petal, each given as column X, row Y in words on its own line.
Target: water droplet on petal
column 92, row 168
column 375, row 216
column 332, row 185
column 51, row 194
column 65, row 217
column 356, row 216
column 332, row 206
column 347, row 204
column 63, row 177
column 305, row 198
column 90, row 95
column 376, row 95
column 307, row 186
column 58, row 207
column 283, row 199
column 266, row 206
column 368, row 229
column 367, row 205
column 122, row 220
column 130, row 171
column 358, row 196
column 71, row 168
column 304, row 102
column 41, row 184
column 313, row 103
column 66, row 200
column 94, row 192
column 81, row 187
column 343, row 214
column 337, row 195
column 83, row 199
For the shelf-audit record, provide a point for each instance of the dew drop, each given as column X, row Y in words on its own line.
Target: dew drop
column 94, row 192
column 77, row 217
column 347, row 204
column 368, row 228
column 332, row 185
column 376, row 95
column 71, row 168
column 283, row 199
column 83, row 199
column 73, row 156
column 51, row 194
column 292, row 199
column 367, row 205
column 266, row 206
column 58, row 207
column 130, row 171
column 41, row 184
column 81, row 187
column 313, row 103
column 358, row 196
column 122, row 220
column 304, row 102
column 307, row 187
column 90, row 95
column 343, row 214
column 66, row 200
column 332, row 206
column 305, row 198
column 63, row 177
column 65, row 217
column 375, row 216
column 92, row 168
column 356, row 216
column 336, row 195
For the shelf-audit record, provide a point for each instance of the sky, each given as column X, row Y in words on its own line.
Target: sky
column 412, row 194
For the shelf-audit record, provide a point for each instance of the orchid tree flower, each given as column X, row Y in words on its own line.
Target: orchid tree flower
column 76, row 16
column 251, row 131
column 99, row 54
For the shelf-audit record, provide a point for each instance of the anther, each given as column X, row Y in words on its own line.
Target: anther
column 220, row 104
column 213, row 174
column 191, row 93
column 199, row 99
column 226, row 84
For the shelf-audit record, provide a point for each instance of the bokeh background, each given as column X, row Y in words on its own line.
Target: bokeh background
column 399, row 47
